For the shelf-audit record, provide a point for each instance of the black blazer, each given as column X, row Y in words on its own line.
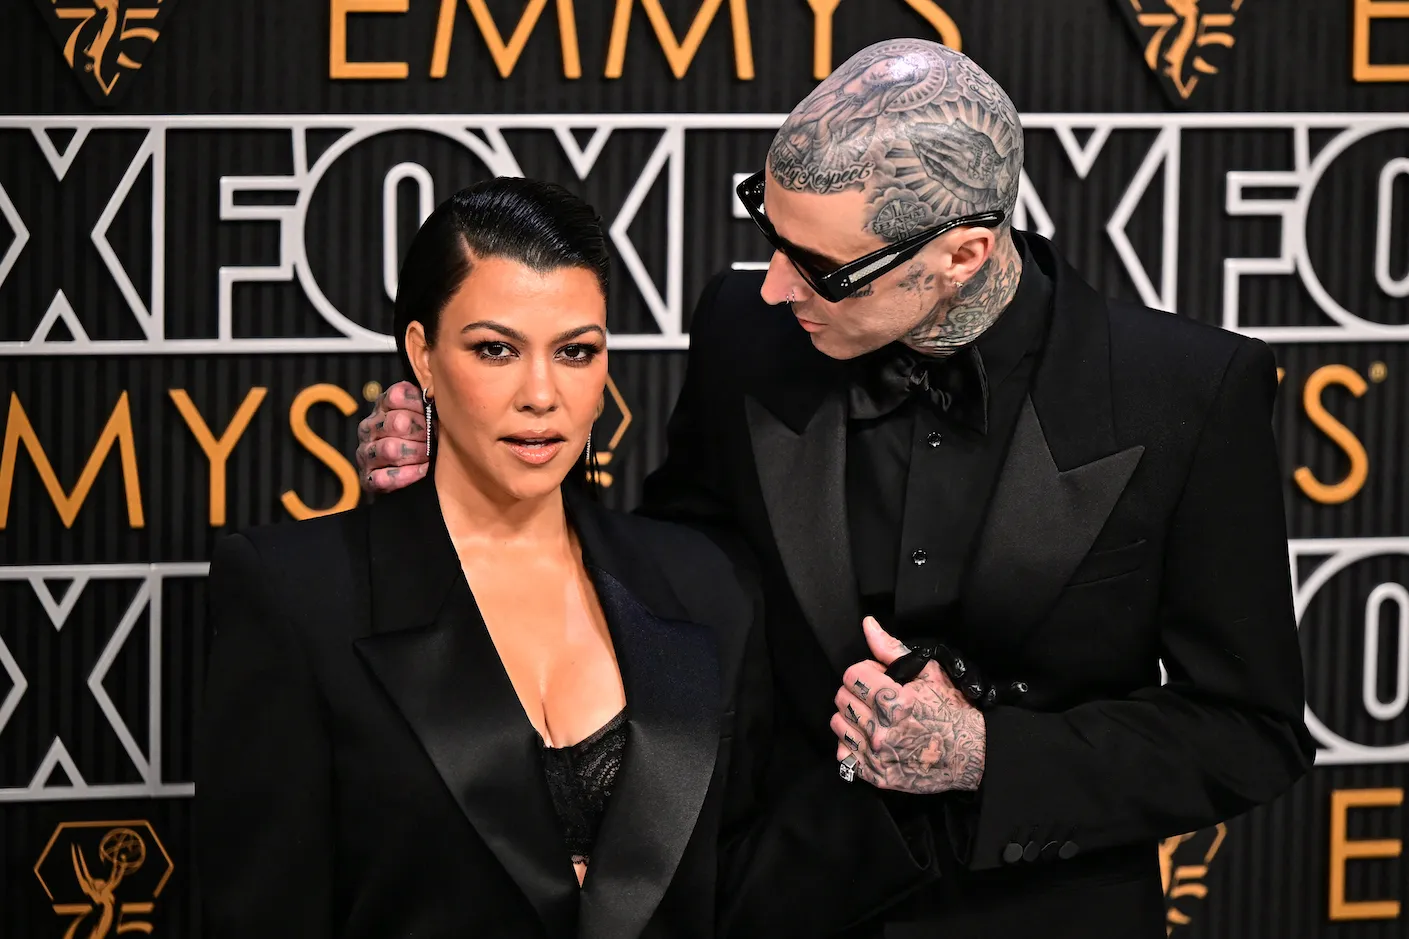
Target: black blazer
column 364, row 768
column 1138, row 517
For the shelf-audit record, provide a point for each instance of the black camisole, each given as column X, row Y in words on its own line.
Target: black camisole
column 580, row 779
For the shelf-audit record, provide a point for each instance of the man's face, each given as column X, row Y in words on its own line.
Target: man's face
column 827, row 232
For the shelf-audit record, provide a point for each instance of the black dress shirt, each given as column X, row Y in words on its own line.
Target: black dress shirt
column 923, row 455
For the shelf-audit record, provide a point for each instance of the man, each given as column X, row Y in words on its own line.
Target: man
column 1048, row 492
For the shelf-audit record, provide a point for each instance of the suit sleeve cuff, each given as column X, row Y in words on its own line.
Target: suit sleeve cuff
column 999, row 825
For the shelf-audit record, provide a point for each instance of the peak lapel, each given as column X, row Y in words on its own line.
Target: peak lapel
column 670, row 670
column 802, row 473
column 1041, row 522
column 1063, row 472
column 432, row 654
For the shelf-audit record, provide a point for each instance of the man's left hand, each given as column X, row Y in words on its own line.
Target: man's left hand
column 922, row 737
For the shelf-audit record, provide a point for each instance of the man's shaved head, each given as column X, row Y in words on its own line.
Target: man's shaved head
column 924, row 133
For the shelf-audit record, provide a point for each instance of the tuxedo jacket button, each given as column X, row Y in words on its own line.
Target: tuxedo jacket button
column 1013, row 853
column 1031, row 852
column 1068, row 851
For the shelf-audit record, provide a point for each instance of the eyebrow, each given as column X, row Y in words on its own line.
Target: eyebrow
column 517, row 336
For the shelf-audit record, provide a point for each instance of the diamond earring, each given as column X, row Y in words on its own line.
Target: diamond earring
column 428, row 401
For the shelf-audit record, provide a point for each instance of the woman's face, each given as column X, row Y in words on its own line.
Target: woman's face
column 517, row 371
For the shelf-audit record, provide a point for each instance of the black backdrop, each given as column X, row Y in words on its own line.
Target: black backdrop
column 207, row 242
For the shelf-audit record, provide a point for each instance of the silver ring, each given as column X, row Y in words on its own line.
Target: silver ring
column 847, row 767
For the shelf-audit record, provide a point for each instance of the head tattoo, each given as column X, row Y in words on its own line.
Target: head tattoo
column 926, row 135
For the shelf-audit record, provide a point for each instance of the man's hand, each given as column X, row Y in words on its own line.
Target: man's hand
column 391, row 441
column 922, row 737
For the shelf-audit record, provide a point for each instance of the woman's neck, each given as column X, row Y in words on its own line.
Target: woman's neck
column 476, row 515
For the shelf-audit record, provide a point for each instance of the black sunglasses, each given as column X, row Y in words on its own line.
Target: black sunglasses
column 841, row 283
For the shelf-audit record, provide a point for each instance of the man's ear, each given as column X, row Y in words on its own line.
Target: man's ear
column 971, row 254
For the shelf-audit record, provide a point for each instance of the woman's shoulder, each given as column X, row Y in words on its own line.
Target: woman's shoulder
column 717, row 583
column 671, row 544
column 308, row 550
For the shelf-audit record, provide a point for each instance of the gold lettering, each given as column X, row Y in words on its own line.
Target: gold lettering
column 942, row 22
column 83, row 16
column 1343, row 849
column 298, row 422
column 506, row 55
column 822, row 12
column 1361, row 67
column 338, row 65
column 218, row 451
column 1346, row 489
column 677, row 52
column 118, row 430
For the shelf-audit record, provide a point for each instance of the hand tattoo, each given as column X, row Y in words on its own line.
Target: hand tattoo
column 884, row 706
column 930, row 741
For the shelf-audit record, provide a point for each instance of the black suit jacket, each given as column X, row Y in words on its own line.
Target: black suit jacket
column 364, row 768
column 1138, row 517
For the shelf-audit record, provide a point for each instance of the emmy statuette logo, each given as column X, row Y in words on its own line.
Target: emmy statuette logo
column 104, row 878
column 105, row 41
column 1184, row 41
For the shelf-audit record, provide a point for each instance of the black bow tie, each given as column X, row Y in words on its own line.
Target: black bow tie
column 956, row 385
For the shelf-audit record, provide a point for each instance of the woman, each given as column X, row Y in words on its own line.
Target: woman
column 487, row 706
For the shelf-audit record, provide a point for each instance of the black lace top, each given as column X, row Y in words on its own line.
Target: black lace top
column 580, row 778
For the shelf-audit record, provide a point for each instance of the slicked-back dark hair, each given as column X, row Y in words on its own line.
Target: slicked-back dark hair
column 540, row 225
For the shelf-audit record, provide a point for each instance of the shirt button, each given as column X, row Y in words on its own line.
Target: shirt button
column 934, row 439
column 919, row 558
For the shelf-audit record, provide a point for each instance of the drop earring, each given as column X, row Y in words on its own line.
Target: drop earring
column 429, row 400
column 587, row 454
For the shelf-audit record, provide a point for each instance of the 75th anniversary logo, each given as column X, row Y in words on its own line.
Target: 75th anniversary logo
column 105, row 41
column 104, row 878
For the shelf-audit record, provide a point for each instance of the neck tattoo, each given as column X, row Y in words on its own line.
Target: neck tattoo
column 959, row 319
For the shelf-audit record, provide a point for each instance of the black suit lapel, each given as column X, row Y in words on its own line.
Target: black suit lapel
column 1063, row 472
column 801, row 460
column 431, row 651
column 670, row 669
